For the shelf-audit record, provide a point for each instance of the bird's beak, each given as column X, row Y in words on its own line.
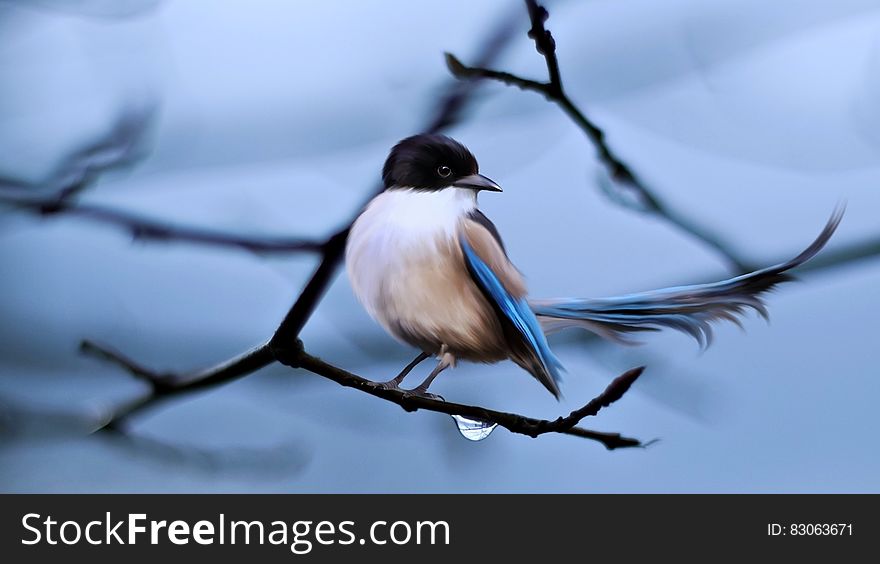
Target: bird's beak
column 477, row 182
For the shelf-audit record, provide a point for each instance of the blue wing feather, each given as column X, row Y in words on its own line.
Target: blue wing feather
column 516, row 310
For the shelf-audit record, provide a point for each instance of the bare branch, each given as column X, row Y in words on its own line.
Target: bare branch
column 545, row 45
column 142, row 228
column 844, row 254
column 451, row 107
column 460, row 70
column 118, row 148
column 164, row 385
column 157, row 381
column 618, row 170
column 510, row 421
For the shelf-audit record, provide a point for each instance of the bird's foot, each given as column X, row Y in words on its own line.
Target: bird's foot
column 393, row 385
column 420, row 392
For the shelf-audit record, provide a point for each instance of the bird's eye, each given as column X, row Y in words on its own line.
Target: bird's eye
column 444, row 171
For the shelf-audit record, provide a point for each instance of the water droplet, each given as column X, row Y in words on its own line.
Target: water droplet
column 473, row 429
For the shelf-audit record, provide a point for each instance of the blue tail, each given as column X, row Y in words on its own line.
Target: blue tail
column 690, row 309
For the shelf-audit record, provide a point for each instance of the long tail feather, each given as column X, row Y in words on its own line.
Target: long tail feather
column 690, row 309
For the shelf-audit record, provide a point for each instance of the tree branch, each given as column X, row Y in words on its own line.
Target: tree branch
column 618, row 170
column 843, row 254
column 165, row 385
column 118, row 148
column 142, row 228
column 512, row 422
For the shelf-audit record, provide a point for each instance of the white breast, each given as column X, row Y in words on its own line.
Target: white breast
column 400, row 228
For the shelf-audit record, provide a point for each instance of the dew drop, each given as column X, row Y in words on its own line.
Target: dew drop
column 473, row 429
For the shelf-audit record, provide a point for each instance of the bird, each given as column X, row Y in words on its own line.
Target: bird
column 433, row 271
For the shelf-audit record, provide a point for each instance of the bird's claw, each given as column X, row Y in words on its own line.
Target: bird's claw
column 417, row 393
column 391, row 385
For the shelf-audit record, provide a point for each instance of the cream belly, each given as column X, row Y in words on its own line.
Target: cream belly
column 406, row 268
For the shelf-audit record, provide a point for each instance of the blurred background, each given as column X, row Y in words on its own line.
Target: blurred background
column 751, row 118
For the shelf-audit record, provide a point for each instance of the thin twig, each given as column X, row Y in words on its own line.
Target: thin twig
column 618, row 170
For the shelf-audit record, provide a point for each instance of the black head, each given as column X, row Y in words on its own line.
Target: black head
column 432, row 162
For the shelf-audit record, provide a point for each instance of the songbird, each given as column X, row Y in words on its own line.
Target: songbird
column 432, row 270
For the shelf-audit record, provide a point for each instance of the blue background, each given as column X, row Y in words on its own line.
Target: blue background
column 274, row 117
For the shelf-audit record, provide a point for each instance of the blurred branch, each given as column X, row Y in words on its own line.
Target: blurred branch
column 119, row 148
column 844, row 254
column 30, row 421
column 618, row 170
column 142, row 228
column 164, row 385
